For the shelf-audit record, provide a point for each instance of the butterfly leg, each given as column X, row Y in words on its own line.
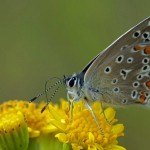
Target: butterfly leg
column 69, row 100
column 70, row 103
column 104, row 114
column 70, row 106
column 93, row 114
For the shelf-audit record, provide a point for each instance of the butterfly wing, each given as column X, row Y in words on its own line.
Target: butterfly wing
column 121, row 73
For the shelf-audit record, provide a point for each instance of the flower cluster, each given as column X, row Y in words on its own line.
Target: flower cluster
column 21, row 122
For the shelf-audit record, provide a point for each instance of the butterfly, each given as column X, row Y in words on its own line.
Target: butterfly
column 119, row 75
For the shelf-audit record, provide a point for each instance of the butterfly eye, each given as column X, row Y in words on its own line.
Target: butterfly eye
column 72, row 82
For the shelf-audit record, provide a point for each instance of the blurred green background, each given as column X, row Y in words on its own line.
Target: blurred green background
column 41, row 39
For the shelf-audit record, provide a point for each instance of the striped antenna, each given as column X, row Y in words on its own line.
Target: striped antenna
column 47, row 89
column 48, row 101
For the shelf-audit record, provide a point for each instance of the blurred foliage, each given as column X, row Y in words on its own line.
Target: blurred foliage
column 42, row 39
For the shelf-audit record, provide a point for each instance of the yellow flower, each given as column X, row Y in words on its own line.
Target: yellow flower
column 23, row 126
column 38, row 123
column 53, row 128
column 83, row 132
column 13, row 131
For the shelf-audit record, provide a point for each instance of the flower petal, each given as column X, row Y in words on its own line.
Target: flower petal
column 117, row 147
column 76, row 147
column 110, row 113
column 91, row 138
column 58, row 124
column 118, row 128
column 99, row 147
column 92, row 147
column 55, row 113
column 62, row 137
column 49, row 129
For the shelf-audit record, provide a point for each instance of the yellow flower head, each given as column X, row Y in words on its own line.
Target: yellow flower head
column 82, row 132
column 37, row 122
column 13, row 130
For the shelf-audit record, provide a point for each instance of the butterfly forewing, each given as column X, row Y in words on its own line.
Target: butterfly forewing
column 121, row 73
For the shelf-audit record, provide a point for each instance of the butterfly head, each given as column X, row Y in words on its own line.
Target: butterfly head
column 71, row 82
column 73, row 85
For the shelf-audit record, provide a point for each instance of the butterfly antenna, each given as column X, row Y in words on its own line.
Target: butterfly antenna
column 48, row 101
column 46, row 90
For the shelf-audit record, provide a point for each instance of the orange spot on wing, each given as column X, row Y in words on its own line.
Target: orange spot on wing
column 138, row 47
column 147, row 50
column 148, row 84
column 142, row 97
